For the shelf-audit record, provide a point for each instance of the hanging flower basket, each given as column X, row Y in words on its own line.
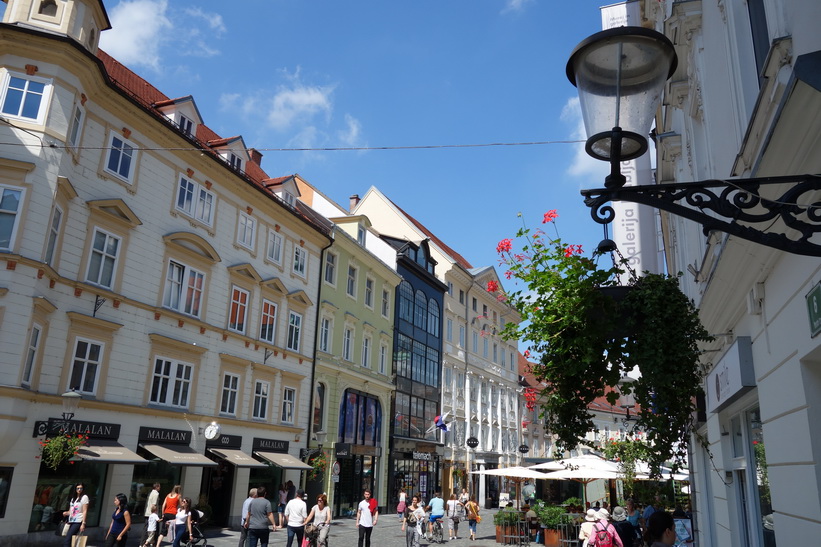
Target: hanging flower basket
column 319, row 464
column 586, row 331
column 56, row 450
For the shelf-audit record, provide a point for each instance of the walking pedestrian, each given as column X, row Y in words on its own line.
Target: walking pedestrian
column 120, row 523
column 76, row 514
column 366, row 518
column 152, row 501
column 412, row 522
column 295, row 514
column 321, row 516
column 246, row 505
column 403, row 503
column 454, row 512
column 257, row 519
column 472, row 511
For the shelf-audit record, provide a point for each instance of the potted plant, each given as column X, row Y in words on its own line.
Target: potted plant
column 580, row 355
column 505, row 520
column 318, row 465
column 551, row 518
column 60, row 448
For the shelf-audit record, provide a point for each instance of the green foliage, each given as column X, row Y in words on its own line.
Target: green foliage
column 585, row 342
column 56, row 450
column 628, row 453
column 318, row 465
column 506, row 517
column 551, row 516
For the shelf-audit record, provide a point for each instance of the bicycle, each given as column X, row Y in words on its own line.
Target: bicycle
column 312, row 533
column 438, row 531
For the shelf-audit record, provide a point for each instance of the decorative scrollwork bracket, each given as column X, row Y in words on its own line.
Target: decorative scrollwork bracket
column 724, row 205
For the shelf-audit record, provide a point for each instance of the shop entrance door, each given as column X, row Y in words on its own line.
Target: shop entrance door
column 217, row 487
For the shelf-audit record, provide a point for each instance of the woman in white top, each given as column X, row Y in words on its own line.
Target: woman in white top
column 586, row 529
column 454, row 513
column 77, row 511
column 321, row 516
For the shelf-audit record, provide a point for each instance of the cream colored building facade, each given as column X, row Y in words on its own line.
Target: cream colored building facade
column 153, row 267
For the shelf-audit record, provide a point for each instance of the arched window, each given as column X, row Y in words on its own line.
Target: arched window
column 48, row 7
column 433, row 317
column 420, row 315
column 319, row 408
column 406, row 301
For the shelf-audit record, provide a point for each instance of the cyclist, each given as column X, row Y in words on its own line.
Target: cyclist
column 437, row 511
column 321, row 516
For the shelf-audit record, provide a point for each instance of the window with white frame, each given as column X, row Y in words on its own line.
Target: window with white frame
column 347, row 344
column 230, row 389
column 10, row 199
column 450, row 288
column 122, row 157
column 85, row 366
column 294, row 330
column 102, row 260
column 369, row 292
column 449, row 329
column 300, row 256
column 484, row 348
column 76, row 128
column 330, row 268
column 261, row 389
column 195, row 200
column 360, row 234
column 183, row 288
column 462, row 336
column 511, row 360
column 383, row 358
column 366, row 351
column 325, row 334
column 495, row 353
column 234, row 161
column 274, row 251
column 288, row 400
column 239, row 309
column 246, row 230
column 25, row 97
column 53, row 234
column 268, row 321
column 288, row 198
column 386, row 302
column 31, row 354
column 350, row 287
column 475, row 342
column 185, row 125
column 171, row 383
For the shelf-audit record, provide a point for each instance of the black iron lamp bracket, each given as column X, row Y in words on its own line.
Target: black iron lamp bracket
column 723, row 204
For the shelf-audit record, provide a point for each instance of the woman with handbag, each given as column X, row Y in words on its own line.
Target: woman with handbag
column 412, row 522
column 120, row 523
column 454, row 510
column 76, row 514
column 472, row 510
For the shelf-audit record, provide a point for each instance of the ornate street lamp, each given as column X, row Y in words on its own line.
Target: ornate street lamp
column 71, row 402
column 620, row 74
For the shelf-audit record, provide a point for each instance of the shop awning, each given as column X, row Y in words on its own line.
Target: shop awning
column 109, row 452
column 285, row 461
column 179, row 454
column 236, row 457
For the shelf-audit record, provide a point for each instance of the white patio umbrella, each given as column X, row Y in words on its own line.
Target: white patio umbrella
column 585, row 469
column 517, row 474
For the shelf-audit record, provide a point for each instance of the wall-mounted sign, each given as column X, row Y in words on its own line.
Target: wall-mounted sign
column 422, row 456
column 814, row 309
column 270, row 445
column 225, row 441
column 164, row 436
column 733, row 376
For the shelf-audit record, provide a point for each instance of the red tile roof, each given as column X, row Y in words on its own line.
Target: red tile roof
column 459, row 259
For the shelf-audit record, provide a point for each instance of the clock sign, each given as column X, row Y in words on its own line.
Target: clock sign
column 212, row 431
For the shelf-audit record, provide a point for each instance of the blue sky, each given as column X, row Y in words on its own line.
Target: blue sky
column 380, row 73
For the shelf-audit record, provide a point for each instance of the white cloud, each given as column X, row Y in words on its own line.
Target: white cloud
column 350, row 135
column 582, row 165
column 213, row 20
column 141, row 27
column 515, row 5
column 299, row 103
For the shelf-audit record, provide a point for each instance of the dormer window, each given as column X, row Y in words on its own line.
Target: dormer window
column 234, row 161
column 288, row 198
column 48, row 8
column 360, row 234
column 185, row 125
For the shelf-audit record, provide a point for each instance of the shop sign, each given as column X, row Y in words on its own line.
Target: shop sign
column 94, row 430
column 342, row 450
column 422, row 456
column 732, row 376
column 271, row 445
column 166, row 436
column 814, row 309
column 225, row 441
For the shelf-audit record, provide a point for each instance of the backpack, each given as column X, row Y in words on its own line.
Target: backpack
column 601, row 537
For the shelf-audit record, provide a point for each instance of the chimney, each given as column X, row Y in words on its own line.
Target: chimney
column 354, row 202
column 256, row 156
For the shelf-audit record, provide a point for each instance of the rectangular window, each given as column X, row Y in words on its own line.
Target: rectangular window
column 299, row 260
column 103, row 259
column 183, row 288
column 239, row 309
column 462, row 336
column 330, row 269
column 230, row 389
column 185, row 125
column 261, row 400
column 325, row 334
column 294, row 330
column 246, row 231
column 288, row 399
column 171, row 383
column 475, row 342
column 383, row 358
column 511, row 360
column 235, row 161
column 10, row 199
column 484, row 310
column 449, row 330
column 366, row 352
column 121, row 158
column 475, row 304
column 495, row 353
column 75, row 130
column 386, row 302
column 274, row 247
column 25, row 97
column 268, row 321
column 347, row 344
column 461, row 296
column 31, row 354
column 450, row 288
column 195, row 200
column 85, row 366
column 53, row 234
column 369, row 292
column 350, row 288
column 484, row 348
column 360, row 234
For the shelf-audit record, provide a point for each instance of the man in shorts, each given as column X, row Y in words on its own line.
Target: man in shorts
column 437, row 511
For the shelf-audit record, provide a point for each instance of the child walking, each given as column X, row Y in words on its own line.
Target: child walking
column 151, row 529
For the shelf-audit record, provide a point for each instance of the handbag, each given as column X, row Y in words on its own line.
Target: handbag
column 79, row 540
column 305, row 542
column 478, row 518
column 64, row 527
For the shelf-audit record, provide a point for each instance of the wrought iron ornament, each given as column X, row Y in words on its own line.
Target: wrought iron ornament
column 723, row 204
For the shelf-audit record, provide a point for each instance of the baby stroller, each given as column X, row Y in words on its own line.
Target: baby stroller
column 197, row 538
column 312, row 534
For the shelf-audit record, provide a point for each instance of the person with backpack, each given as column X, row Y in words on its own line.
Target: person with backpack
column 604, row 534
column 628, row 533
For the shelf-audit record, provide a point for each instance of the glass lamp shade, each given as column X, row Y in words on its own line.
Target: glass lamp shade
column 620, row 73
column 71, row 402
